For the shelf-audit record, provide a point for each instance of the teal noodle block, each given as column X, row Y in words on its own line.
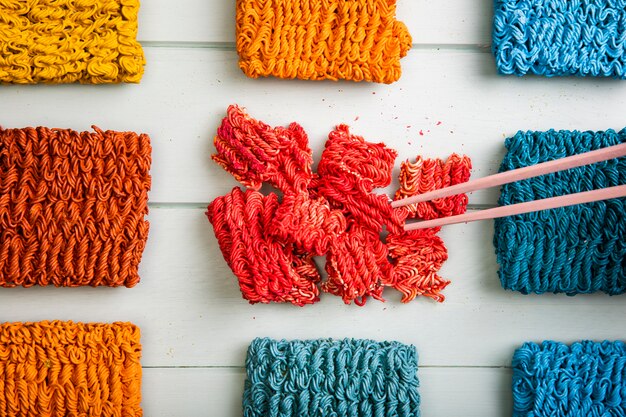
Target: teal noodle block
column 572, row 250
column 324, row 378
column 560, row 37
column 586, row 379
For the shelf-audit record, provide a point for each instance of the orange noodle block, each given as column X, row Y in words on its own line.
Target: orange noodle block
column 58, row 369
column 72, row 207
column 358, row 40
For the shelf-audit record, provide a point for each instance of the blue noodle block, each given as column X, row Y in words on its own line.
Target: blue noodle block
column 324, row 378
column 572, row 250
column 560, row 37
column 586, row 379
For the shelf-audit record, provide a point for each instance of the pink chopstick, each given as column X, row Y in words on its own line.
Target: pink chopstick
column 521, row 208
column 562, row 164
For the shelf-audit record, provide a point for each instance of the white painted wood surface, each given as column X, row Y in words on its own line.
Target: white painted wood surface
column 458, row 22
column 468, row 392
column 196, row 327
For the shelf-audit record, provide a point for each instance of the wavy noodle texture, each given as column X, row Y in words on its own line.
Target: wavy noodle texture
column 426, row 175
column 326, row 377
column 586, row 379
column 57, row 369
column 347, row 156
column 308, row 223
column 66, row 41
column 254, row 152
column 358, row 40
column 357, row 266
column 72, row 207
column 332, row 213
column 348, row 172
column 572, row 250
column 268, row 270
column 560, row 37
column 418, row 255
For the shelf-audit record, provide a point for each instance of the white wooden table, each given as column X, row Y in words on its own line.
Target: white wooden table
column 195, row 325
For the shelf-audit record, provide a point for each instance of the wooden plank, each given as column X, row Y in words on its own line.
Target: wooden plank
column 479, row 392
column 189, row 392
column 458, row 22
column 191, row 313
column 185, row 93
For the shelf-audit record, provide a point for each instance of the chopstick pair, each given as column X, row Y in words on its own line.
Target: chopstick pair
column 562, row 164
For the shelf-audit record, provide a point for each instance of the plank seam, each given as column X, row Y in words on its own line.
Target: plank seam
column 230, row 46
column 243, row 368
column 203, row 205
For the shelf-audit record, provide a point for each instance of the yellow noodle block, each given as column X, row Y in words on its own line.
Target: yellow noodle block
column 66, row 41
